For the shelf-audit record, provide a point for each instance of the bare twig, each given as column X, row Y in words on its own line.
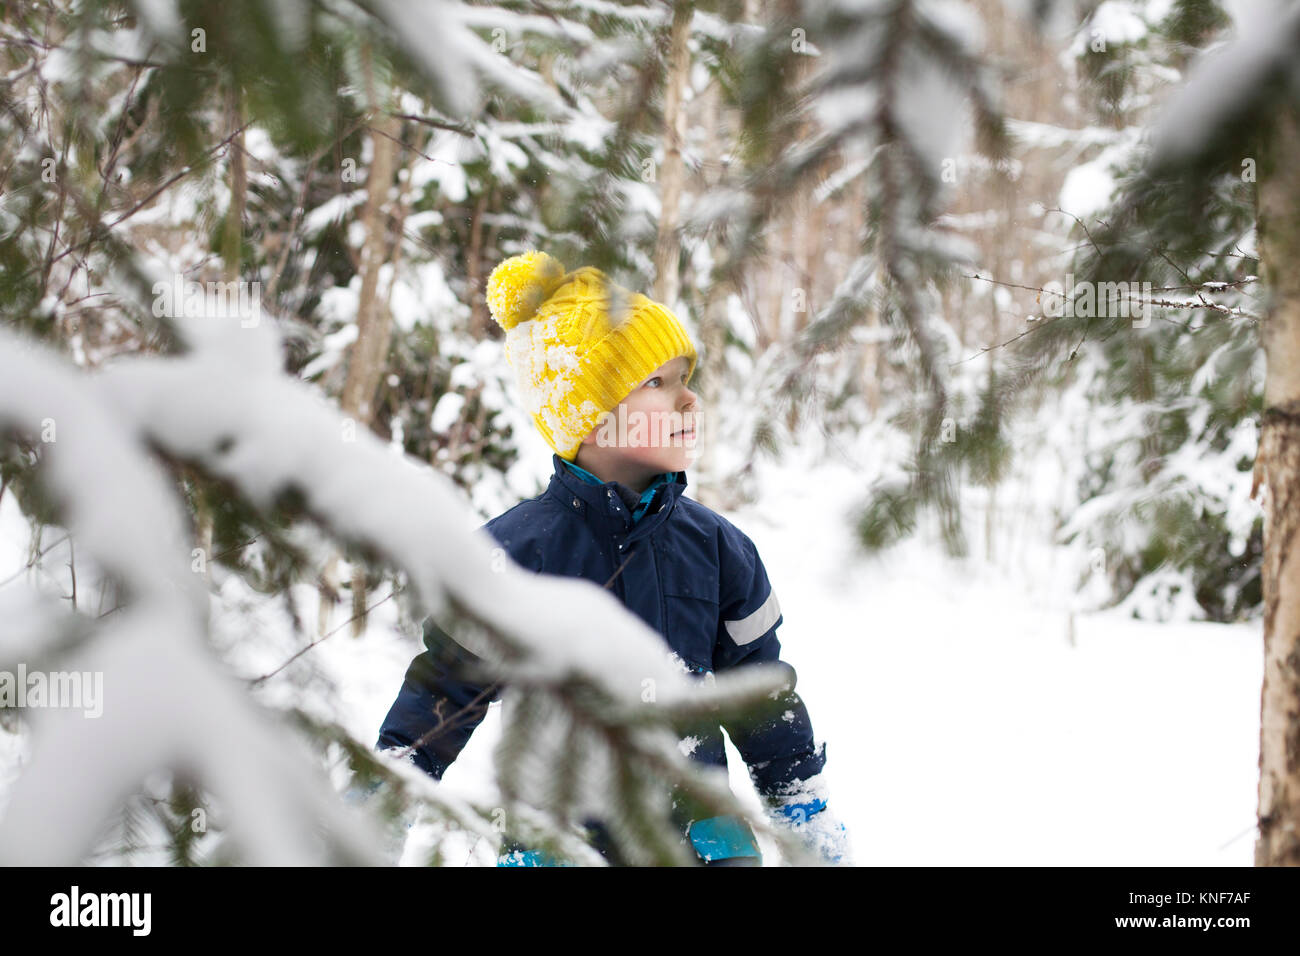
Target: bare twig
column 298, row 654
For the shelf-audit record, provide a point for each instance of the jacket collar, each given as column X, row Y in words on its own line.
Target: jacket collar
column 604, row 508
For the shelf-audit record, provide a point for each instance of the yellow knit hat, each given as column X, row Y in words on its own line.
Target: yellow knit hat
column 574, row 355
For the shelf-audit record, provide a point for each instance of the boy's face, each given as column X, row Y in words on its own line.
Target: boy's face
column 654, row 429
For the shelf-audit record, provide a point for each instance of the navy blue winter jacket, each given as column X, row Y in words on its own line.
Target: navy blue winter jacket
column 686, row 571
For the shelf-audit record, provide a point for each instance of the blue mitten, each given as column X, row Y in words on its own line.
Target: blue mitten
column 819, row 830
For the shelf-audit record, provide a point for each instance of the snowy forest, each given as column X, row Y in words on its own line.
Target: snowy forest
column 998, row 368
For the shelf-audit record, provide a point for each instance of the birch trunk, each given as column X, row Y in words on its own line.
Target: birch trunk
column 366, row 360
column 1277, row 470
column 368, row 352
column 713, row 326
column 671, row 173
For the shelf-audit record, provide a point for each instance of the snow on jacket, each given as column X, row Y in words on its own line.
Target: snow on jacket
column 687, row 572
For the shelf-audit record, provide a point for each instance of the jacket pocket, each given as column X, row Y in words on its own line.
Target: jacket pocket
column 688, row 577
column 692, row 627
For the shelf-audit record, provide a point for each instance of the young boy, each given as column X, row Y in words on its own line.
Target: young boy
column 615, row 509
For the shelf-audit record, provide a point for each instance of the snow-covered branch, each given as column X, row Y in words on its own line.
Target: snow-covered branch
column 165, row 704
column 226, row 408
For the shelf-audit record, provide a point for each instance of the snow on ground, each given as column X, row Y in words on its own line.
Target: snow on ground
column 962, row 725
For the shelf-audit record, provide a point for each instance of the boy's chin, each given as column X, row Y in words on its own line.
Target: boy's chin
column 665, row 459
column 676, row 459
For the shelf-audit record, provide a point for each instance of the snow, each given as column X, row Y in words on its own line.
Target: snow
column 515, row 23
column 1046, row 136
column 162, row 694
column 333, row 346
column 332, row 210
column 163, row 20
column 958, row 20
column 436, row 37
column 587, row 130
column 1113, row 22
column 503, row 155
column 968, row 719
column 446, row 412
column 964, row 726
column 269, row 434
column 448, row 152
column 1088, row 187
column 932, row 111
column 1224, row 80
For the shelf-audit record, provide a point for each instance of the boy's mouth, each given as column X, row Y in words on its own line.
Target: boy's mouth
column 690, row 422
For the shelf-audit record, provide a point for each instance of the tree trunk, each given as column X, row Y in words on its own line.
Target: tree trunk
column 367, row 355
column 478, row 310
column 232, row 243
column 1277, row 470
column 713, row 329
column 671, row 173
column 365, row 360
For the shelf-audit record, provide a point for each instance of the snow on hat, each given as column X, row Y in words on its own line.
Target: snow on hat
column 578, row 343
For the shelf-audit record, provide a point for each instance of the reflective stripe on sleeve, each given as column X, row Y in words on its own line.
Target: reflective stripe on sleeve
column 754, row 626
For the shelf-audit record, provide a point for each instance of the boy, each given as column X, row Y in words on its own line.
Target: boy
column 615, row 509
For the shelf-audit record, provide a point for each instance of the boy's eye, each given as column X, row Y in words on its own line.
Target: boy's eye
column 660, row 380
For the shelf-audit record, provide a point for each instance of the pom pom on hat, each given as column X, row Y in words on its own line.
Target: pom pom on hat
column 518, row 286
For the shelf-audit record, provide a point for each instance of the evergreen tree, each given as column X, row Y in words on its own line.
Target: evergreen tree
column 1170, row 371
column 342, row 162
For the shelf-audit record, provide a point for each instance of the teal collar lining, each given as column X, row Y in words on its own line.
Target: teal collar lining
column 646, row 496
